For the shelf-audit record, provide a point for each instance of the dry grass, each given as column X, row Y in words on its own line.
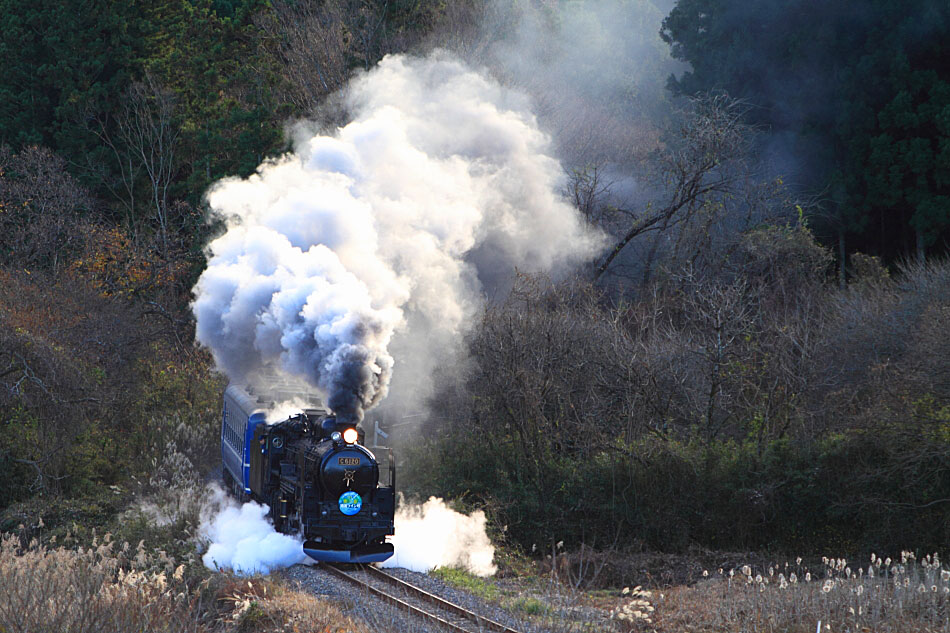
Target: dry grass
column 100, row 588
column 111, row 588
column 266, row 606
column 885, row 596
column 903, row 595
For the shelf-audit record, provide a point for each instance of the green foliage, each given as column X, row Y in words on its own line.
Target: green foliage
column 17, row 474
column 859, row 88
column 471, row 583
column 69, row 73
column 57, row 58
column 80, row 517
column 84, row 402
column 252, row 619
column 907, row 158
column 173, row 388
column 733, row 426
column 209, row 55
column 528, row 605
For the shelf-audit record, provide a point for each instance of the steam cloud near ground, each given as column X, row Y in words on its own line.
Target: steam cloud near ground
column 441, row 178
column 433, row 535
column 242, row 539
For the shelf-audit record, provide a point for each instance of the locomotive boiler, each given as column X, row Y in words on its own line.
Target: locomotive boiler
column 312, row 470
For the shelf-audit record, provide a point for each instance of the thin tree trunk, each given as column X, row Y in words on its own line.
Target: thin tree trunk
column 648, row 267
column 842, row 259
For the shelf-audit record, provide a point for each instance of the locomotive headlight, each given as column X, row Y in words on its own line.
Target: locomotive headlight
column 350, row 436
column 335, row 436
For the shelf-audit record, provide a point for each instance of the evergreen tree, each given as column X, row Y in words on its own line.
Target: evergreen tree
column 58, row 58
column 213, row 62
column 856, row 90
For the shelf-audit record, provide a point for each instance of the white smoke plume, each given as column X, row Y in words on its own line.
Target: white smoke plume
column 280, row 411
column 433, row 535
column 243, row 540
column 389, row 227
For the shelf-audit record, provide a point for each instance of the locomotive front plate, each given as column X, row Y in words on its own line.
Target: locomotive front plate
column 348, row 461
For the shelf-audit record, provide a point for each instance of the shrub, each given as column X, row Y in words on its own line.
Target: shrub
column 852, row 492
column 741, row 413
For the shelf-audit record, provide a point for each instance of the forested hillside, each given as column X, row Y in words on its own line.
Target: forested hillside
column 855, row 98
column 756, row 359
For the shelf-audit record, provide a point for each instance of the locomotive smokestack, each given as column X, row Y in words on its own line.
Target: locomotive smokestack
column 386, row 228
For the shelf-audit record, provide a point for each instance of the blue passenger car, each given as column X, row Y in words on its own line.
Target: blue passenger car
column 240, row 417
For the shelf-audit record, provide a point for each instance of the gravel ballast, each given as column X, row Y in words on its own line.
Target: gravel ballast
column 381, row 616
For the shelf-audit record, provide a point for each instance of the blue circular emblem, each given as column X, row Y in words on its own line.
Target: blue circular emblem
column 350, row 503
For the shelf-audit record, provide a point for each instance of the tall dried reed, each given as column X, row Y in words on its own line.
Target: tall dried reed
column 102, row 588
column 900, row 595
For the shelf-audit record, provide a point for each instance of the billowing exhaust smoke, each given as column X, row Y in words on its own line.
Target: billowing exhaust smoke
column 388, row 228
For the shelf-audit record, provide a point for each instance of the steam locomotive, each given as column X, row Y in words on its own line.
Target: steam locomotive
column 313, row 472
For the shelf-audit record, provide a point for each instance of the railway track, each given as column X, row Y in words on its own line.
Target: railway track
column 412, row 599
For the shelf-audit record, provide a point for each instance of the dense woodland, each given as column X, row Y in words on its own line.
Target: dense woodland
column 758, row 360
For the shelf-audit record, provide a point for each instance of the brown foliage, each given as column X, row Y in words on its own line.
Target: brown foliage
column 553, row 368
column 114, row 266
column 49, row 223
column 44, row 214
column 66, row 356
column 104, row 588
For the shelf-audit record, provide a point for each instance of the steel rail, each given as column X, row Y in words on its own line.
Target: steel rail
column 434, row 599
column 393, row 600
column 421, row 594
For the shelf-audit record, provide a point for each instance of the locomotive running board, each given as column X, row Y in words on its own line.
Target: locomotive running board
column 366, row 554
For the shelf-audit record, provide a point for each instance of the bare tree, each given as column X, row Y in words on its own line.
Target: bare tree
column 143, row 141
column 44, row 213
column 313, row 44
column 319, row 43
column 700, row 170
column 554, row 369
column 695, row 350
column 149, row 133
column 589, row 190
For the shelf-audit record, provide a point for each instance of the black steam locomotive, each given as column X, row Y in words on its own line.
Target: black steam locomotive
column 313, row 472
